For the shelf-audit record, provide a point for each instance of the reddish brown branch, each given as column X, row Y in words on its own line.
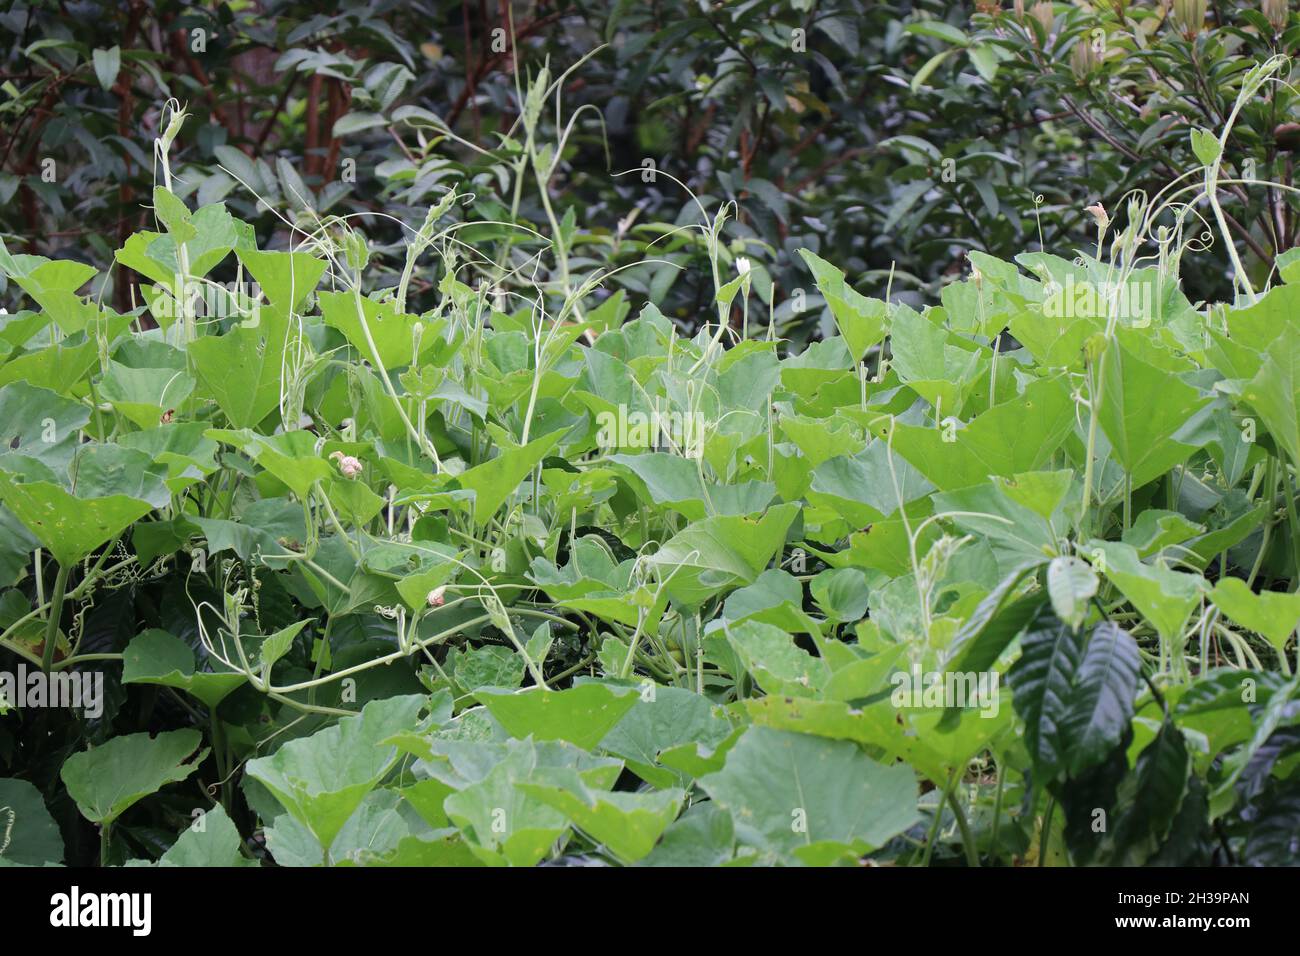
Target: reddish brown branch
column 491, row 63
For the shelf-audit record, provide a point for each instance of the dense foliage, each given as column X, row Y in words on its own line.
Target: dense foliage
column 894, row 137
column 463, row 515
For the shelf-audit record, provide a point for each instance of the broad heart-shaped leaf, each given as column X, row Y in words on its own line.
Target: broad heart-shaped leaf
column 416, row 588
column 582, row 715
column 1255, row 327
column 591, row 569
column 1274, row 614
column 53, row 286
column 211, row 840
column 109, row 487
column 494, row 481
column 353, row 500
column 818, row 365
column 777, row 664
column 1101, row 703
column 840, row 594
column 1043, row 684
column 18, row 330
column 861, row 321
column 103, row 469
column 938, row 366
column 340, row 584
column 241, row 369
column 292, row 844
column 40, row 424
column 875, row 725
column 286, row 278
column 674, row 481
column 323, row 778
column 1055, row 340
column 157, row 657
column 144, row 395
column 695, row 759
column 28, row 834
column 629, row 824
column 208, row 234
column 1141, row 409
column 626, row 607
column 938, row 754
column 502, row 823
column 136, row 254
column 669, row 717
column 425, row 851
column 289, row 456
column 1274, row 394
column 182, row 447
column 108, row 779
column 1016, row 436
column 1163, row 596
column 721, row 552
column 1016, row 533
column 261, row 527
column 1155, row 529
column 863, row 489
column 16, row 547
column 60, row 368
column 392, row 334
column 70, row 527
column 774, row 591
column 821, row 439
column 702, row 836
column 802, row 798
column 374, row 830
column 747, row 374
column 1042, row 492
column 52, row 276
column 1071, row 583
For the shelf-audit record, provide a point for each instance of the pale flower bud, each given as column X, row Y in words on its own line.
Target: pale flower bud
column 1277, row 12
column 349, row 466
column 1189, row 17
column 1043, row 13
column 437, row 596
column 1083, row 60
